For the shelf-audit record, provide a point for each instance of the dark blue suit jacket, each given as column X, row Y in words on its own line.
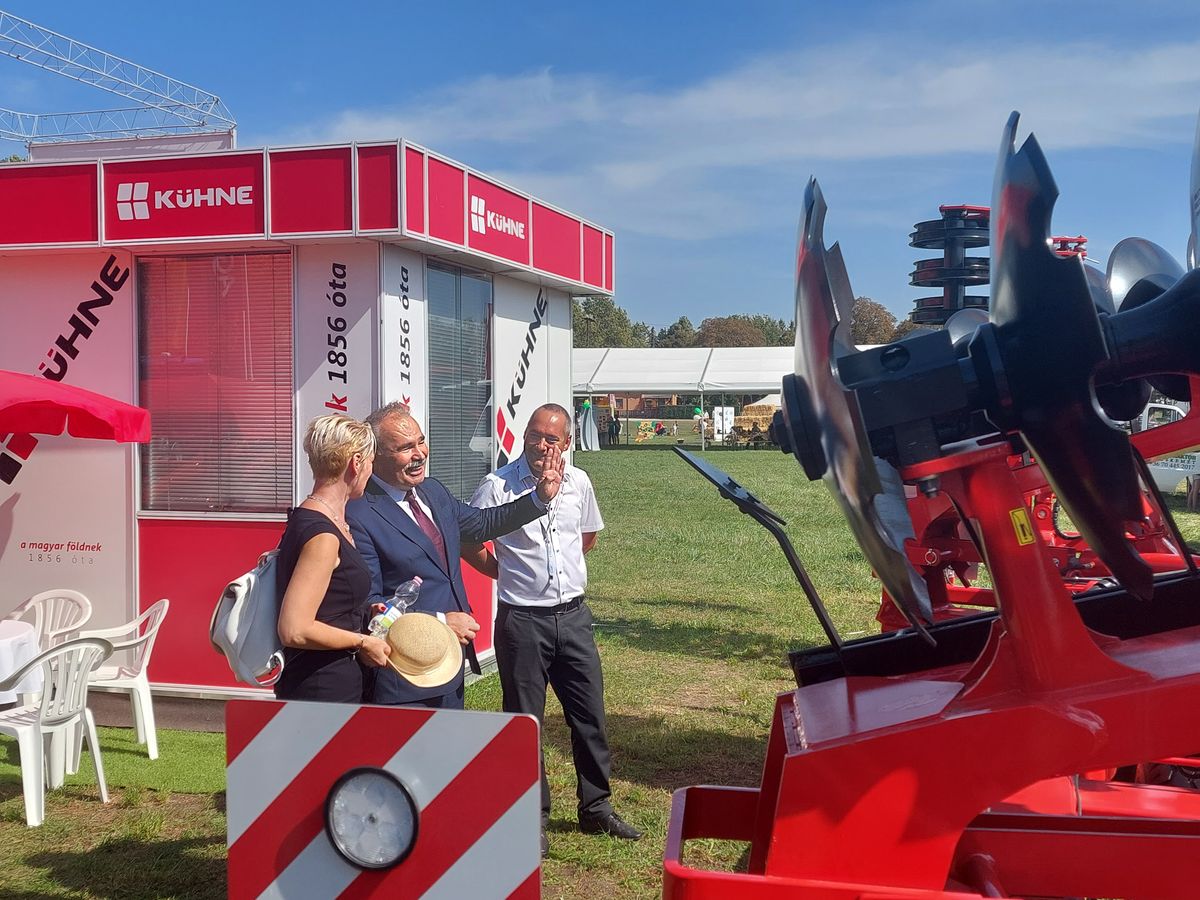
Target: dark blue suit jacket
column 395, row 550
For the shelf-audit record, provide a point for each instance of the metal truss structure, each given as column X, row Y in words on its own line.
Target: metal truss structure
column 165, row 106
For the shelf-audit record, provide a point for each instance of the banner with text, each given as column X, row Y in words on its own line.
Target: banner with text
column 521, row 350
column 66, row 505
column 336, row 290
column 404, row 353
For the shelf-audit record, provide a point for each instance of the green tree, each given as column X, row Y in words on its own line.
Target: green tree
column 729, row 331
column 870, row 322
column 599, row 322
column 681, row 334
column 776, row 332
column 906, row 326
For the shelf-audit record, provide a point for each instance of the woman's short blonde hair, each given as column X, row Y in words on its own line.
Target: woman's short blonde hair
column 331, row 440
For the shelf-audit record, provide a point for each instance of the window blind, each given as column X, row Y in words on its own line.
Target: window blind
column 460, row 387
column 215, row 343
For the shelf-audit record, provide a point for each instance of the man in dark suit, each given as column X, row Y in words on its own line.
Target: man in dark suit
column 408, row 524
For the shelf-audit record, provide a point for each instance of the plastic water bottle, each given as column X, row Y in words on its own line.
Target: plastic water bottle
column 405, row 596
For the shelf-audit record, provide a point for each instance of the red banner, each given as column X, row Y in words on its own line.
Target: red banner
column 557, row 246
column 184, row 197
column 48, row 204
column 311, row 191
column 499, row 221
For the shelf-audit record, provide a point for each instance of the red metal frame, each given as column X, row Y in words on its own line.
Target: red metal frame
column 859, row 797
column 943, row 545
column 1070, row 246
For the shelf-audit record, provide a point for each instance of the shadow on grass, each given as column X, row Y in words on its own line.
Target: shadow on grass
column 656, row 752
column 129, row 868
column 703, row 641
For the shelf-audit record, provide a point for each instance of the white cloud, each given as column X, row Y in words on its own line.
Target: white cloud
column 698, row 160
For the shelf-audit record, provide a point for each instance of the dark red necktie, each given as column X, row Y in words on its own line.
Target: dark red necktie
column 427, row 527
column 431, row 531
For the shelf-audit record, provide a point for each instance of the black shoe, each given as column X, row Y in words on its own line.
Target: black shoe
column 545, row 844
column 613, row 825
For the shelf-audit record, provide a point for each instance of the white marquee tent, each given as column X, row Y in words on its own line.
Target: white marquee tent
column 708, row 370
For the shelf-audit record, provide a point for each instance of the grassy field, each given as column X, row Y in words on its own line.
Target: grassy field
column 696, row 610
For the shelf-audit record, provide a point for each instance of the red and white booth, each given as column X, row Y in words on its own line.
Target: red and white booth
column 236, row 295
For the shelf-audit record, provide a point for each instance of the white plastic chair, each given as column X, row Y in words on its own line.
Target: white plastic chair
column 136, row 637
column 56, row 615
column 61, row 708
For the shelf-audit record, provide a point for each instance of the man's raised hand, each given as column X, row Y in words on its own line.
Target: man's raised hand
column 552, row 474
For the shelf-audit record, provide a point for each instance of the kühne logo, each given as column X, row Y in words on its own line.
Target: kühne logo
column 482, row 219
column 133, row 198
column 504, row 431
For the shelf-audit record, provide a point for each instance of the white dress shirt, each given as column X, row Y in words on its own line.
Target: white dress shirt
column 542, row 564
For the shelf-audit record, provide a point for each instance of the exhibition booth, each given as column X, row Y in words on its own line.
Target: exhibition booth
column 236, row 295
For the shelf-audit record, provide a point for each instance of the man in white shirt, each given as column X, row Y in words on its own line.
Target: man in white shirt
column 544, row 627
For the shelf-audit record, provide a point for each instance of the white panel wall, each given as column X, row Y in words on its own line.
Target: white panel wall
column 337, row 292
column 66, row 518
column 404, row 343
column 559, row 387
column 530, row 365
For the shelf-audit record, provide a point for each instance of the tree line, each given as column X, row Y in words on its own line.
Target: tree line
column 600, row 322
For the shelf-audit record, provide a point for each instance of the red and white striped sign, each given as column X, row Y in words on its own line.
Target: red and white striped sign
column 472, row 775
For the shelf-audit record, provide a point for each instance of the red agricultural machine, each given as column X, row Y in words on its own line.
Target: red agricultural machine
column 969, row 756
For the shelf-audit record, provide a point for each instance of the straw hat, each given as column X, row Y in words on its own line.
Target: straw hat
column 425, row 652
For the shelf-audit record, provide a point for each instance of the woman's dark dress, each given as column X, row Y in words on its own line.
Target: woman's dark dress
column 330, row 675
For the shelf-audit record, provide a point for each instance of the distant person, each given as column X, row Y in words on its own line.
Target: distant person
column 407, row 524
column 544, row 627
column 674, row 429
column 321, row 614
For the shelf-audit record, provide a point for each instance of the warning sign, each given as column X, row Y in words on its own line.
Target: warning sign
column 312, row 786
column 1020, row 523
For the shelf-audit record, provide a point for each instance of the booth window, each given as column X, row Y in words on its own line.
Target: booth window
column 460, row 385
column 215, row 367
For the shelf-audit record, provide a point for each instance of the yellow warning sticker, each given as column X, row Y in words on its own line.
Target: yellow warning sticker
column 1020, row 522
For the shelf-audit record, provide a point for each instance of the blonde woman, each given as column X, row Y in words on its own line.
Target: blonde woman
column 321, row 617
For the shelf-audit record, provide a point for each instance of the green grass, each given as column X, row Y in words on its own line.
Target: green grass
column 696, row 609
column 162, row 834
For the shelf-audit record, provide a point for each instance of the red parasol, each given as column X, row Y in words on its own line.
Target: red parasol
column 31, row 404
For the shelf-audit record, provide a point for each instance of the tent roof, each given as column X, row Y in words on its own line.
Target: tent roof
column 741, row 370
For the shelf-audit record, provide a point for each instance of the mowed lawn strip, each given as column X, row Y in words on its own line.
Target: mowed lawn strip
column 696, row 609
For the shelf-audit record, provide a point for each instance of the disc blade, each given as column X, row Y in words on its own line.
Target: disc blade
column 823, row 305
column 1051, row 344
column 1136, row 258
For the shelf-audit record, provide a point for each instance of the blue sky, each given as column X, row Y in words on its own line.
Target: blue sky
column 691, row 128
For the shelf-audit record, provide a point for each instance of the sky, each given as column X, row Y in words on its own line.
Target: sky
column 691, row 129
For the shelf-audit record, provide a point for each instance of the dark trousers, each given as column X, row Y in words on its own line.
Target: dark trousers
column 536, row 647
column 453, row 700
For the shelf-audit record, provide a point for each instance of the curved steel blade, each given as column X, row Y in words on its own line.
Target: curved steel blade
column 962, row 324
column 1136, row 258
column 1097, row 282
column 1051, row 344
column 823, row 306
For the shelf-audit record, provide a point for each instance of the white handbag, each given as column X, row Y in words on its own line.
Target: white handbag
column 245, row 624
